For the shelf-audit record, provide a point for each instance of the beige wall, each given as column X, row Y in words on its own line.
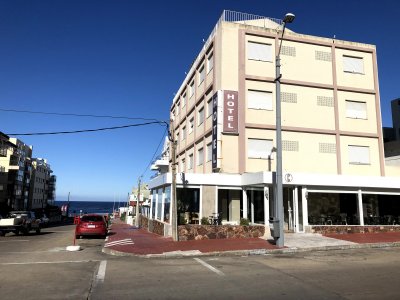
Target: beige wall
column 208, row 200
column 260, row 68
column 229, row 154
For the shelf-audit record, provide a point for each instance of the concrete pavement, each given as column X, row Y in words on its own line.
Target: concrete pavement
column 125, row 240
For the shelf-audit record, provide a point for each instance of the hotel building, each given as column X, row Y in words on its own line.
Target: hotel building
column 223, row 119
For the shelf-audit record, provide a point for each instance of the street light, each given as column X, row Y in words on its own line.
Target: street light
column 278, row 232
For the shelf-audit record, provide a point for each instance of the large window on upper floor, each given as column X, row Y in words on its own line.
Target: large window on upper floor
column 202, row 74
column 183, row 135
column 259, row 100
column 209, row 107
column 356, row 109
column 209, row 152
column 190, row 165
column 200, row 116
column 210, row 62
column 191, row 124
column 259, row 51
column 183, row 100
column 200, row 156
column 191, row 89
column 259, row 148
column 353, row 64
column 358, row 155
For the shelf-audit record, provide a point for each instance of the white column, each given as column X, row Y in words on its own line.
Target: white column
column 201, row 203
column 304, row 202
column 151, row 205
column 216, row 200
column 170, row 205
column 360, row 208
column 244, row 196
column 252, row 206
column 156, row 211
column 266, row 205
column 162, row 205
column 296, row 210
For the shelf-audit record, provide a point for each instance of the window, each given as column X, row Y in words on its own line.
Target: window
column 356, row 109
column 209, row 152
column 200, row 116
column 209, row 107
column 190, row 167
column 257, row 148
column 358, row 155
column 288, row 51
column 202, row 74
column 200, row 156
column 258, row 51
column 191, row 125
column 191, row 89
column 183, row 165
column 353, row 64
column 259, row 100
column 183, row 100
column 210, row 62
column 183, row 133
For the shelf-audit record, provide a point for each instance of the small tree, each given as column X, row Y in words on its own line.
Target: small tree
column 244, row 222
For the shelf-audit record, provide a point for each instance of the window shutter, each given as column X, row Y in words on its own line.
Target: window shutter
column 259, row 100
column 353, row 64
column 358, row 155
column 356, row 109
column 258, row 148
column 258, row 51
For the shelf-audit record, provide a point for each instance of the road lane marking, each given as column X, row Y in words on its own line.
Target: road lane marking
column 101, row 273
column 119, row 242
column 220, row 273
column 10, row 241
column 50, row 262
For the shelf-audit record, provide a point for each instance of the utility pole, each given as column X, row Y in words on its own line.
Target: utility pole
column 137, row 203
column 174, row 219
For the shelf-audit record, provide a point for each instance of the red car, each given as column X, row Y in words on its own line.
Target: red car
column 91, row 225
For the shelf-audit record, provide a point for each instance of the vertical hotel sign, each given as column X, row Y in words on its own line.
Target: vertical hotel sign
column 225, row 116
column 231, row 112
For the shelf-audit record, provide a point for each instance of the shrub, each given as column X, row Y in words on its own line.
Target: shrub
column 122, row 217
column 204, row 221
column 244, row 222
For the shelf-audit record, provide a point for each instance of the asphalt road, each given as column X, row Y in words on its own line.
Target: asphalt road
column 38, row 267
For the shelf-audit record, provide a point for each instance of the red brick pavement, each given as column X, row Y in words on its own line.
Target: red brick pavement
column 145, row 242
column 363, row 238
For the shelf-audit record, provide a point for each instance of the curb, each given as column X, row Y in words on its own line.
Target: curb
column 196, row 253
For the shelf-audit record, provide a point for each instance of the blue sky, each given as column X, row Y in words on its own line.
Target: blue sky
column 127, row 58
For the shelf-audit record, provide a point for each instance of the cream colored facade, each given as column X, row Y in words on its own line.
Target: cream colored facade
column 38, row 196
column 330, row 111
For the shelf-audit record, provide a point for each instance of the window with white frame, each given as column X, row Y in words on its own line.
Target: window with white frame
column 200, row 116
column 190, row 166
column 191, row 124
column 259, row 100
column 359, row 155
column 209, row 107
column 259, row 148
column 259, row 51
column 353, row 64
column 191, row 89
column 183, row 100
column 200, row 156
column 210, row 62
column 356, row 109
column 202, row 74
column 183, row 136
column 183, row 165
column 209, row 152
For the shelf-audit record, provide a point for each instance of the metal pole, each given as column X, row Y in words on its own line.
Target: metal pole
column 279, row 188
column 137, row 203
column 174, row 220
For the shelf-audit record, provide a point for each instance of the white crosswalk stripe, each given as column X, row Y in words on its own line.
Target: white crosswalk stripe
column 127, row 241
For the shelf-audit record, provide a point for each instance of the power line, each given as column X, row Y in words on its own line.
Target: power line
column 87, row 130
column 78, row 115
column 155, row 152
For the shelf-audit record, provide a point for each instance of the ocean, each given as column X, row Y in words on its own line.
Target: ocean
column 90, row 207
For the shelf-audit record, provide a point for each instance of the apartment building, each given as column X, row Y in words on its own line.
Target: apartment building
column 15, row 172
column 224, row 117
column 40, row 184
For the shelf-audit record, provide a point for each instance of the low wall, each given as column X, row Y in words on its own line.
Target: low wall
column 201, row 232
column 351, row 229
column 143, row 222
column 154, row 226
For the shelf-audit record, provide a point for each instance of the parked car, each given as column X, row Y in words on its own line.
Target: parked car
column 20, row 222
column 91, row 225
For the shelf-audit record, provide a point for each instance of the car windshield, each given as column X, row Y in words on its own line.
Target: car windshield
column 92, row 219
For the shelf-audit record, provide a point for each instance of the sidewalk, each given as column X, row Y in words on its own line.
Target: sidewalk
column 125, row 240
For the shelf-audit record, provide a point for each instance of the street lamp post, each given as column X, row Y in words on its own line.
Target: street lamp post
column 279, row 238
